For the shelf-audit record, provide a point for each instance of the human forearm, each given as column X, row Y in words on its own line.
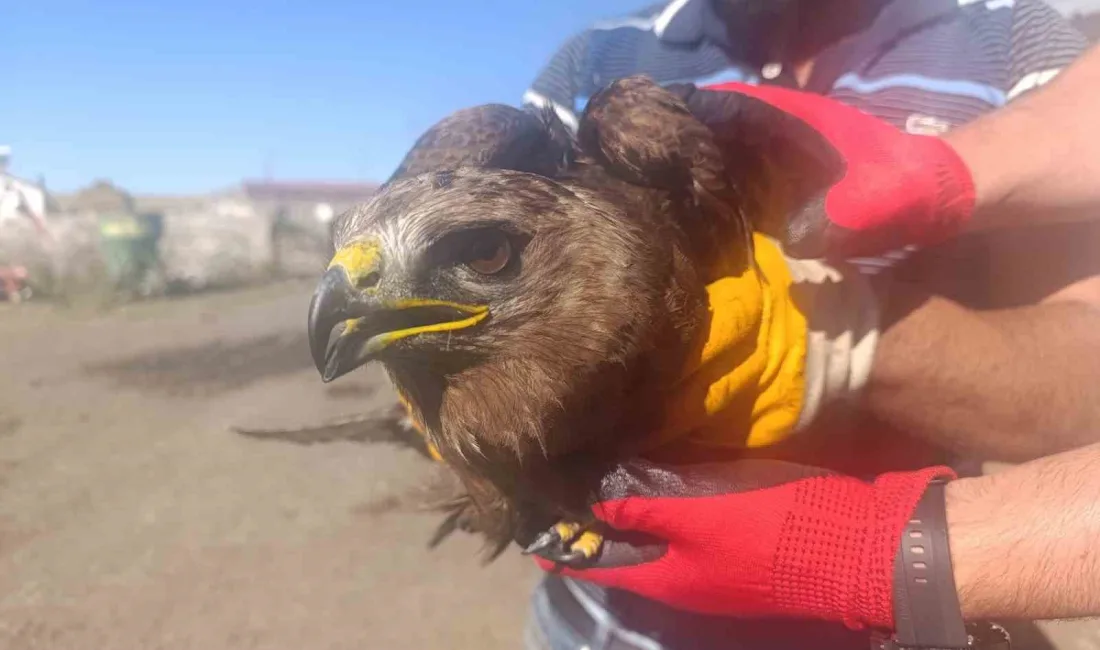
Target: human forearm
column 1038, row 160
column 1024, row 541
column 1012, row 384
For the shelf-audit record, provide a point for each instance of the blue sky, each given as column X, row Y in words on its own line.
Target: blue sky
column 192, row 95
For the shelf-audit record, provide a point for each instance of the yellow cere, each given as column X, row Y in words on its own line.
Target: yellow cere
column 358, row 259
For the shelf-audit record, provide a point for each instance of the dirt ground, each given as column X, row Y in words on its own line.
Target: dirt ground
column 132, row 517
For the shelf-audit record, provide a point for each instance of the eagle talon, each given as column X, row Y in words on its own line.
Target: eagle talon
column 560, row 555
column 543, row 543
column 567, row 544
column 585, row 548
column 572, row 559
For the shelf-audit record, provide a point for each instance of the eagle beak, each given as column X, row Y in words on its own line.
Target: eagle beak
column 351, row 320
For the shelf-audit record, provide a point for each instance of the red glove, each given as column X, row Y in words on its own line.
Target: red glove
column 756, row 539
column 860, row 185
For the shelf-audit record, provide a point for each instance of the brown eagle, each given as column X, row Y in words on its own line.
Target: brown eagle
column 533, row 295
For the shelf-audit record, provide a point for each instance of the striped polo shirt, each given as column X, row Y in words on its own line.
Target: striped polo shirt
column 923, row 65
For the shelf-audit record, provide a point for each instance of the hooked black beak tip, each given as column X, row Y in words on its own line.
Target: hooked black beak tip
column 331, row 370
column 327, row 309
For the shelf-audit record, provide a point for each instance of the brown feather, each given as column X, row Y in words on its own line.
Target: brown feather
column 647, row 136
column 491, row 136
column 616, row 236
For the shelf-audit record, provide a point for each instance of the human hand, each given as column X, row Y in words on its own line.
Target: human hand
column 845, row 183
column 755, row 538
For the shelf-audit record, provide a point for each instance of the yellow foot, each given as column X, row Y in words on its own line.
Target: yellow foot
column 567, row 543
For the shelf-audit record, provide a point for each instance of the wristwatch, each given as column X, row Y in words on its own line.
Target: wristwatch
column 926, row 605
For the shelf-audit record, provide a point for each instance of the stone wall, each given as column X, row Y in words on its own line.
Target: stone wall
column 221, row 242
column 68, row 254
column 224, row 243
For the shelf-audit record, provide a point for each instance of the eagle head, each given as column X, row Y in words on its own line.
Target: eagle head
column 533, row 297
column 515, row 312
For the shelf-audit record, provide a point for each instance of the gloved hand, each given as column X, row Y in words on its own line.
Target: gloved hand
column 785, row 340
column 850, row 185
column 756, row 538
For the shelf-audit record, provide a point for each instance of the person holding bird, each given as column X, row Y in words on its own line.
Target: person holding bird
column 517, row 286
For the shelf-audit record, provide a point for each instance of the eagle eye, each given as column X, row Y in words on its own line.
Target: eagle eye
column 489, row 253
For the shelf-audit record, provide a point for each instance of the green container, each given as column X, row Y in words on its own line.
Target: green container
column 129, row 246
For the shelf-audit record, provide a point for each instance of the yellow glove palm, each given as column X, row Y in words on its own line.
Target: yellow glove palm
column 745, row 382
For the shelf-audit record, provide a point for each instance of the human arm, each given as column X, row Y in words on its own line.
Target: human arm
column 982, row 382
column 1033, row 162
column 1037, row 159
column 1011, row 384
column 987, row 382
column 765, row 539
column 1024, row 540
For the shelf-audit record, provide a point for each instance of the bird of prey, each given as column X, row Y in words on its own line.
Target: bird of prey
column 534, row 295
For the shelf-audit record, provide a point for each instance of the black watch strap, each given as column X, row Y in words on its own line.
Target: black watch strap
column 926, row 604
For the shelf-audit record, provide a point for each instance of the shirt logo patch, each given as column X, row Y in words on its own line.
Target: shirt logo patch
column 918, row 124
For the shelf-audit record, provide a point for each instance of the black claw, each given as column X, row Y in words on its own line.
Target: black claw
column 543, row 542
column 563, row 557
column 573, row 558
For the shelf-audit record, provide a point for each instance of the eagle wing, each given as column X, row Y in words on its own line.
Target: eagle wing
column 647, row 136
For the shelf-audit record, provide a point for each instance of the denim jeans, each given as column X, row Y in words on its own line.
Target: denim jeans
column 571, row 615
